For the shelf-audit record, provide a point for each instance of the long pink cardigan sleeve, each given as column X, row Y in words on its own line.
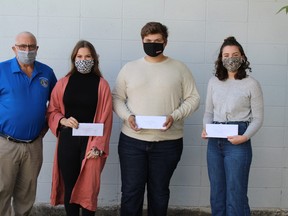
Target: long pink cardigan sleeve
column 87, row 187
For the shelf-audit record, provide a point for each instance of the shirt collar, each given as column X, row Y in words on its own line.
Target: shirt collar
column 15, row 67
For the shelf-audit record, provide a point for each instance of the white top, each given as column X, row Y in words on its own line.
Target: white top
column 155, row 89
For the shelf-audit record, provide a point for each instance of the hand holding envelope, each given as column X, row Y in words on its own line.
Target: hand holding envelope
column 88, row 129
column 150, row 122
column 221, row 130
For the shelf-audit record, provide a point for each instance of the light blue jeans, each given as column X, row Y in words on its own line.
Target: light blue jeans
column 228, row 169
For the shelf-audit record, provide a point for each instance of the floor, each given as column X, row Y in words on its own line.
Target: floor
column 47, row 210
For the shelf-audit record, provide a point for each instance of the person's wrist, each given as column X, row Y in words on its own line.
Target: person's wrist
column 62, row 120
column 131, row 116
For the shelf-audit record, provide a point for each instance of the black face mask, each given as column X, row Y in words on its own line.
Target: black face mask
column 153, row 49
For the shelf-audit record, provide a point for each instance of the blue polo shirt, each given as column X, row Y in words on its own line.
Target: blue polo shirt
column 23, row 99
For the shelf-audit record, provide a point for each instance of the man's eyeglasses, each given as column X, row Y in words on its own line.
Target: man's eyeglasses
column 24, row 47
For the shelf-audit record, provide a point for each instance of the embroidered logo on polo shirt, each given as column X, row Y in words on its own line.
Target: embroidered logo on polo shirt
column 44, row 82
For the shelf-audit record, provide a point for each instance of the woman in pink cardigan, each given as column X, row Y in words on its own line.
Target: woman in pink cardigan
column 82, row 96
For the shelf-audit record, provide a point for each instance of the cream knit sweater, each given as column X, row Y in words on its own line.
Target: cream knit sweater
column 155, row 89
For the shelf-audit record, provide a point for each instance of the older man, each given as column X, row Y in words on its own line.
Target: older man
column 25, row 87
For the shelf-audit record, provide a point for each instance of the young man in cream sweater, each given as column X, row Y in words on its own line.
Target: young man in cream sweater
column 155, row 85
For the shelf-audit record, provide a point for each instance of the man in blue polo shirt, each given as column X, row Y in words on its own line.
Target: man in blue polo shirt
column 25, row 87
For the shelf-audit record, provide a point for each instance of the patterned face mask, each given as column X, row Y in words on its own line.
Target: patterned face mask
column 232, row 64
column 84, row 66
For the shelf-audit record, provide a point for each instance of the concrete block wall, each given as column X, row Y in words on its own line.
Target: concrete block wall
column 197, row 28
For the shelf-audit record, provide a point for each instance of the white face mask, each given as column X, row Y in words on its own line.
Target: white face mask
column 26, row 57
column 84, row 66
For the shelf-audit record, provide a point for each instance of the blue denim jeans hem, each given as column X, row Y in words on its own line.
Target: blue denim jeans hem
column 151, row 163
column 228, row 170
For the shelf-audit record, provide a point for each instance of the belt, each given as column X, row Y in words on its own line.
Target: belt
column 232, row 122
column 9, row 138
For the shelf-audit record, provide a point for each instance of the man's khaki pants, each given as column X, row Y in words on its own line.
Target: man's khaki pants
column 20, row 165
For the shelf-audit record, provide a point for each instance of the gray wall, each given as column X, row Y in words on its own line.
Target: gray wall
column 197, row 28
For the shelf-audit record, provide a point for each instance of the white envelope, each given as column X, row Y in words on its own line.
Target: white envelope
column 221, row 130
column 150, row 122
column 89, row 129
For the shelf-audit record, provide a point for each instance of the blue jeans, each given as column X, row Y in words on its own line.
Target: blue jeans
column 151, row 163
column 228, row 169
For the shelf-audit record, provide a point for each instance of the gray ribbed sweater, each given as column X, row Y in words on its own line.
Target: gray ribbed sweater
column 235, row 100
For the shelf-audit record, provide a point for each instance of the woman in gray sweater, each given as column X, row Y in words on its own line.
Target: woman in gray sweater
column 233, row 98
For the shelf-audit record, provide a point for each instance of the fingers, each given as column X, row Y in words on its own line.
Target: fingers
column 204, row 134
column 73, row 122
column 168, row 123
column 89, row 155
column 132, row 123
column 92, row 154
column 232, row 140
column 70, row 122
column 236, row 140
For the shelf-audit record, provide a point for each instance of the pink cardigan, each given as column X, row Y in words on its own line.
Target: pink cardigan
column 87, row 187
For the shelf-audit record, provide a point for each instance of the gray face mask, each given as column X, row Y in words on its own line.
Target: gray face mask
column 84, row 66
column 26, row 57
column 232, row 64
